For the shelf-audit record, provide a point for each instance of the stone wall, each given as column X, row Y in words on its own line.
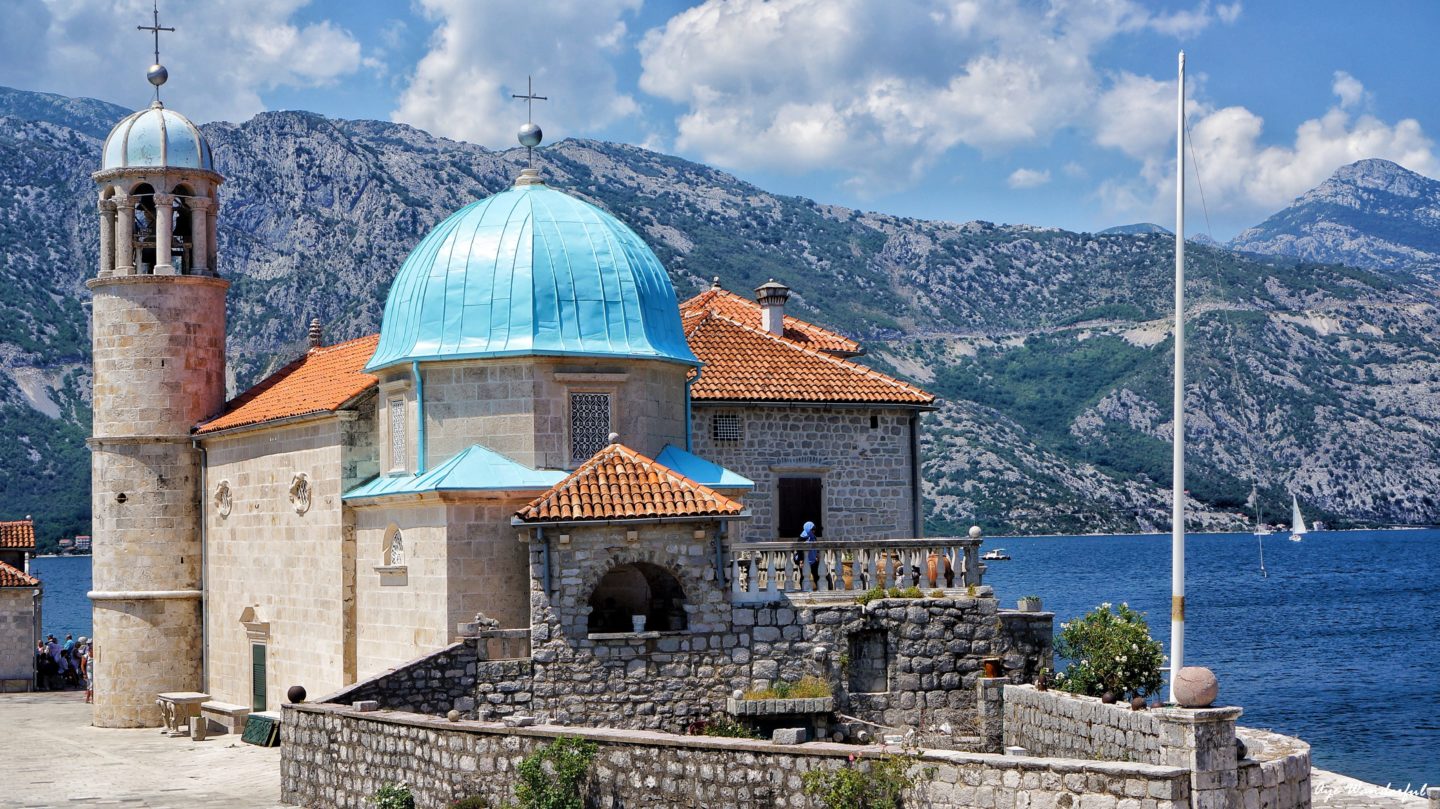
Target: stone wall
column 265, row 554
column 1275, row 773
column 868, row 487
column 332, row 756
column 1052, row 723
column 17, row 638
column 433, row 684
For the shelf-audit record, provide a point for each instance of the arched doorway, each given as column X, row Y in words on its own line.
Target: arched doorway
column 639, row 588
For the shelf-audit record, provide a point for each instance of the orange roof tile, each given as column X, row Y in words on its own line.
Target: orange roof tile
column 17, row 534
column 728, row 304
column 319, row 382
column 748, row 364
column 14, row 577
column 619, row 483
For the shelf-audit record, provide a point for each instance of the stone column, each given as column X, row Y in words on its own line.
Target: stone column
column 212, row 245
column 1203, row 742
column 107, row 238
column 990, row 709
column 124, row 234
column 199, row 236
column 164, row 225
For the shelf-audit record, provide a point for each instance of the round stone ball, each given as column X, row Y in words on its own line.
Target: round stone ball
column 453, row 715
column 157, row 74
column 1196, row 687
column 296, row 694
column 530, row 135
column 975, row 532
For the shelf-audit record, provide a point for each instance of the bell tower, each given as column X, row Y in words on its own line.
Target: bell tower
column 158, row 339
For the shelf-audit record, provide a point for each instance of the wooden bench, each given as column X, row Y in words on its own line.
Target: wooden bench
column 230, row 718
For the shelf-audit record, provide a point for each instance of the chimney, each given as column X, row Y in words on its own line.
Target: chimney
column 317, row 334
column 772, row 296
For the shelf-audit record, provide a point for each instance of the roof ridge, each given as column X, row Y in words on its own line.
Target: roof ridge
column 25, row 578
column 827, row 357
column 534, row 510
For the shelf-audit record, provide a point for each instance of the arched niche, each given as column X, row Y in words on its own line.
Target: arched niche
column 637, row 588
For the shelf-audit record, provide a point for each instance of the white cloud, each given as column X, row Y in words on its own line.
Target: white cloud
column 223, row 54
column 481, row 53
column 1242, row 177
column 881, row 90
column 1028, row 178
column 1228, row 14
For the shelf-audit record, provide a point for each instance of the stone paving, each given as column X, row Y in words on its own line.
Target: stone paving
column 53, row 757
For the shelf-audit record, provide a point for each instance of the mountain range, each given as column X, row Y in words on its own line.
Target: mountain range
column 1050, row 348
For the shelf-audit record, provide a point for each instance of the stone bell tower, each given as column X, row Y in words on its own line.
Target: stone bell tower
column 158, row 337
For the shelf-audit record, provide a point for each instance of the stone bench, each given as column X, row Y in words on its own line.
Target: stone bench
column 228, row 717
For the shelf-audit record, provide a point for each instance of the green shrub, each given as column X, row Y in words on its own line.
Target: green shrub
column 553, row 777
column 1110, row 651
column 808, row 687
column 722, row 725
column 393, row 796
column 875, row 593
column 472, row 802
column 877, row 784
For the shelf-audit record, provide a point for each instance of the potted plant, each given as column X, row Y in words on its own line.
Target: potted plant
column 847, row 570
column 637, row 622
column 1029, row 603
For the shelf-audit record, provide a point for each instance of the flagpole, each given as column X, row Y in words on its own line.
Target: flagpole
column 1177, row 494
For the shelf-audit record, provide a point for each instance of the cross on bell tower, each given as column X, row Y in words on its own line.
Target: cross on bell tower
column 157, row 74
column 530, row 134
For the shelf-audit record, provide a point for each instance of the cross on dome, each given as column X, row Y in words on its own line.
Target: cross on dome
column 530, row 134
column 157, row 74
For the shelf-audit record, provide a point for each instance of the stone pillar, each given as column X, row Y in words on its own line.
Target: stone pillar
column 164, row 227
column 124, row 235
column 107, row 238
column 199, row 236
column 1203, row 742
column 990, row 711
column 212, row 246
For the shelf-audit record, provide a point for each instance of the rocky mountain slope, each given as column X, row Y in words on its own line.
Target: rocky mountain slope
column 1373, row 213
column 1049, row 347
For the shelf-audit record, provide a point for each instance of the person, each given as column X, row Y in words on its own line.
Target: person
column 812, row 557
column 87, row 672
column 71, row 665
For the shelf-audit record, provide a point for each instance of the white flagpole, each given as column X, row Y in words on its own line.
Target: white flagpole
column 1177, row 508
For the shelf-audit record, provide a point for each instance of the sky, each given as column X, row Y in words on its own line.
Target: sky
column 1057, row 113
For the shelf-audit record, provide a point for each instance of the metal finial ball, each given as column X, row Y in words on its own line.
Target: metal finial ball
column 157, row 74
column 530, row 135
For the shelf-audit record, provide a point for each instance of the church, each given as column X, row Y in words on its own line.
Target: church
column 535, row 376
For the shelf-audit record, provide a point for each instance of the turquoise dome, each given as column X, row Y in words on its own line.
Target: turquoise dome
column 156, row 137
column 531, row 271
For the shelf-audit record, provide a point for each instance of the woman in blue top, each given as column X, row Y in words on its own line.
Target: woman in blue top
column 807, row 534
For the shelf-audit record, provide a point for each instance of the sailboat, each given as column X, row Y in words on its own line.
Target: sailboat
column 1297, row 521
column 1260, row 530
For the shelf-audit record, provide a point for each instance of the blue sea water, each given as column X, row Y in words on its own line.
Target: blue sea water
column 1340, row 645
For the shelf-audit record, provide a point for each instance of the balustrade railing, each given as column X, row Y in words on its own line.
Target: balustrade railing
column 774, row 571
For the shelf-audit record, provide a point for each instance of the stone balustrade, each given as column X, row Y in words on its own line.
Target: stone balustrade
column 779, row 571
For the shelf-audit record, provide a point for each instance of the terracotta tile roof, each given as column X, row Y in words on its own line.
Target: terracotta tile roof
column 14, row 577
column 741, row 310
column 743, row 363
column 17, row 534
column 619, row 483
column 319, row 382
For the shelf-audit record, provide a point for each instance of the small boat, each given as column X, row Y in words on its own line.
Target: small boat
column 1297, row 521
column 997, row 555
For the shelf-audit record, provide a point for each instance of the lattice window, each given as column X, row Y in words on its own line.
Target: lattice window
column 726, row 427
column 397, row 433
column 589, row 424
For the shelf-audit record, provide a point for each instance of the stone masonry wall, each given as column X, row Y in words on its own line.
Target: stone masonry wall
column 866, row 471
column 1050, row 723
column 332, row 757
column 17, row 638
column 432, row 684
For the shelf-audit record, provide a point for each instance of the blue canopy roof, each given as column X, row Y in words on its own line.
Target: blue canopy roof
column 474, row 469
column 531, row 271
column 702, row 471
column 156, row 137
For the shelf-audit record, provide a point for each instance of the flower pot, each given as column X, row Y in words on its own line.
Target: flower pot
column 994, row 667
column 638, row 622
column 847, row 573
column 1029, row 604
column 938, row 569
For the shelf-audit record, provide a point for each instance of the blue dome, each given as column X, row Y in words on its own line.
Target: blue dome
column 531, row 271
column 156, row 137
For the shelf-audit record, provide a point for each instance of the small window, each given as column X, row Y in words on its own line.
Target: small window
column 394, row 555
column 589, row 424
column 726, row 427
column 397, row 433
column 874, row 422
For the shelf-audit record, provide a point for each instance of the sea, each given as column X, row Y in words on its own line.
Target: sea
column 1339, row 644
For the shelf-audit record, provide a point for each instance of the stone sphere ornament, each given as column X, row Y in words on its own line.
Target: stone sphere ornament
column 530, row 135
column 157, row 75
column 1108, row 697
column 296, row 694
column 975, row 532
column 1196, row 687
column 453, row 715
column 1137, row 703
